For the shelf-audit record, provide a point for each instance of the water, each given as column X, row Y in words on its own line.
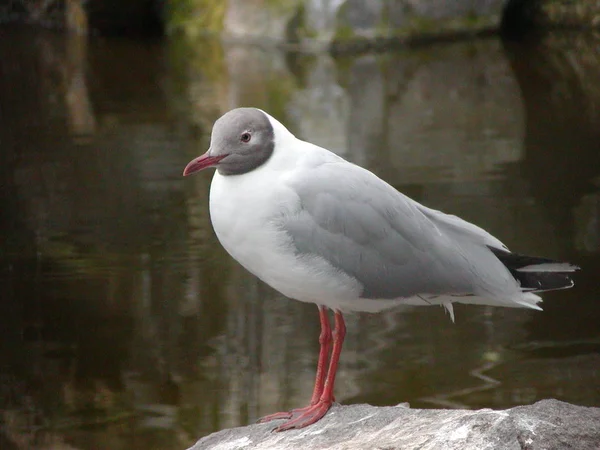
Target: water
column 124, row 324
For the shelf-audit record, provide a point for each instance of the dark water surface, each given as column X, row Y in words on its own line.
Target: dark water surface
column 125, row 325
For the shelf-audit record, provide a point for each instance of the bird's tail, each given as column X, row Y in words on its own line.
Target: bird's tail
column 536, row 274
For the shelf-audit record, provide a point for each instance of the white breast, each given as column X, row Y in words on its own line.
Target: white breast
column 245, row 212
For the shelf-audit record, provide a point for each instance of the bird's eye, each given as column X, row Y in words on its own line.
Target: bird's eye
column 245, row 137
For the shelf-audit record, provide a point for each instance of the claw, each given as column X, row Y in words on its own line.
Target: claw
column 308, row 416
column 276, row 416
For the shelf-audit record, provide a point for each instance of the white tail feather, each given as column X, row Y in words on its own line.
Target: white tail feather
column 548, row 267
column 450, row 309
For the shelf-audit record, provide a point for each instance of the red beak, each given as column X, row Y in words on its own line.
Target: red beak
column 201, row 162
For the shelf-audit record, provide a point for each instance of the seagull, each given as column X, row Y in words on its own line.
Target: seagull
column 322, row 230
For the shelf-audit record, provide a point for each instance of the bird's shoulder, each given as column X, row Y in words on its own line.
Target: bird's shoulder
column 322, row 177
column 331, row 184
column 336, row 197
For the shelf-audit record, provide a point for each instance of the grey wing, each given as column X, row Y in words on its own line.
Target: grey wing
column 453, row 225
column 390, row 244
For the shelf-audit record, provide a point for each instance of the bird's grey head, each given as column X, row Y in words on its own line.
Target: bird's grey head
column 242, row 140
column 246, row 139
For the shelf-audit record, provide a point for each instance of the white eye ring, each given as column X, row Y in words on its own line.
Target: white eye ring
column 245, row 137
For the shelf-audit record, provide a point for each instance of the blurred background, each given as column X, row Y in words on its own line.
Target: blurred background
column 125, row 325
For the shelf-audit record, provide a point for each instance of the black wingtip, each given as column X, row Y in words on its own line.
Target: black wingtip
column 536, row 274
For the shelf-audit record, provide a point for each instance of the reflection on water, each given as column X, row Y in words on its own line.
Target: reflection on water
column 125, row 325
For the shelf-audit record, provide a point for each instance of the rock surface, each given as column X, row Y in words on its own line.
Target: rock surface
column 520, row 15
column 358, row 24
column 337, row 23
column 548, row 424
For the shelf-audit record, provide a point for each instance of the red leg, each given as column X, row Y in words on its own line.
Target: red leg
column 315, row 412
column 338, row 340
column 325, row 344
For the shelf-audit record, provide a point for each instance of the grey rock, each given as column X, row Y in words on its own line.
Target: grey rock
column 548, row 424
column 318, row 23
column 582, row 14
column 257, row 20
column 362, row 16
column 357, row 24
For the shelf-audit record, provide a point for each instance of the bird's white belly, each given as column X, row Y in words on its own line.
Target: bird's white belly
column 245, row 213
